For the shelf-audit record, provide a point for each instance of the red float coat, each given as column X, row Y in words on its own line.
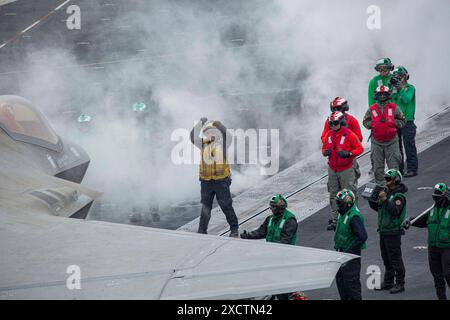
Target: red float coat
column 343, row 139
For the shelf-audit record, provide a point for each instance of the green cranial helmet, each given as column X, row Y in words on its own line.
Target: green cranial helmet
column 345, row 196
column 441, row 188
column 384, row 62
column 441, row 193
column 84, row 118
column 401, row 71
column 275, row 201
column 139, row 106
column 393, row 174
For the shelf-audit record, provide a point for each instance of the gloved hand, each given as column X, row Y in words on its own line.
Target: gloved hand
column 331, row 225
column 203, row 120
column 382, row 196
column 327, row 152
column 244, row 235
column 344, row 154
column 407, row 223
column 395, row 81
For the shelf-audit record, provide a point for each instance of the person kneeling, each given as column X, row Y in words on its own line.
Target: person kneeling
column 279, row 227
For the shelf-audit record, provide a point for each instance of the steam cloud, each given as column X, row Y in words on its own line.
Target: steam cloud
column 251, row 64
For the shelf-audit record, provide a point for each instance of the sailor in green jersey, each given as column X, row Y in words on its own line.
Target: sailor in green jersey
column 279, row 227
column 84, row 123
column 391, row 208
column 350, row 237
column 384, row 66
column 437, row 220
column 404, row 96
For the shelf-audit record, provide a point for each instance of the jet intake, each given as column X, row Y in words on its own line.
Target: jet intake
column 65, row 202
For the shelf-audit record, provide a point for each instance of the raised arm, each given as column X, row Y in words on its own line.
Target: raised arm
column 395, row 206
column 195, row 134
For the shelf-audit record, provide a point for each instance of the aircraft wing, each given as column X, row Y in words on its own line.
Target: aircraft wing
column 129, row 262
column 38, row 244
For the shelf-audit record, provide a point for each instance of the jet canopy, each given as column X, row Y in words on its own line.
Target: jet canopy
column 23, row 122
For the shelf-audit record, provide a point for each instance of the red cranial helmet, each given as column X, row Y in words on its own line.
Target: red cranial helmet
column 339, row 104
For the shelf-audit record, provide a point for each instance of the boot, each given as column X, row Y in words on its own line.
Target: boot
column 410, row 174
column 234, row 234
column 397, row 288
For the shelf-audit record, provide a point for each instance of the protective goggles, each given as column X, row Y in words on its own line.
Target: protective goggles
column 383, row 69
column 334, row 123
column 276, row 207
column 382, row 95
column 336, row 108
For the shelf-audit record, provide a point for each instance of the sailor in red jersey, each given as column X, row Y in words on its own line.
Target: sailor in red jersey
column 384, row 118
column 341, row 146
column 341, row 104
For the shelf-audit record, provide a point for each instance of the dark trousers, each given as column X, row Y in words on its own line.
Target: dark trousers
column 348, row 280
column 439, row 260
column 220, row 189
column 407, row 141
column 391, row 252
